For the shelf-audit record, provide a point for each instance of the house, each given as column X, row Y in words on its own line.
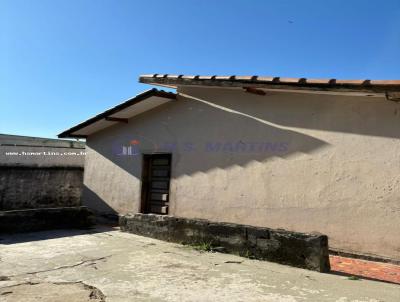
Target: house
column 299, row 154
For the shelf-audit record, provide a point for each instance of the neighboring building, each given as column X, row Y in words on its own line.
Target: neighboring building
column 299, row 154
column 18, row 150
column 38, row 172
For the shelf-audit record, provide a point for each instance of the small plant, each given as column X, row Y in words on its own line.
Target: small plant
column 203, row 246
column 354, row 278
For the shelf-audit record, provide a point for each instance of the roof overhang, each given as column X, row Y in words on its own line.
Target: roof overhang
column 389, row 88
column 120, row 113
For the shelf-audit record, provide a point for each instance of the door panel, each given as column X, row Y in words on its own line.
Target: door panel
column 156, row 182
column 160, row 184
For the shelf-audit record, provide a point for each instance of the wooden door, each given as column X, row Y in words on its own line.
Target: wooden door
column 155, row 182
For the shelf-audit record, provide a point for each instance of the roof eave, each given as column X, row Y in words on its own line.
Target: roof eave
column 138, row 98
column 376, row 86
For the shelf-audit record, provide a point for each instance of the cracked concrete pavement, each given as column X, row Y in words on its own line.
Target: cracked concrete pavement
column 105, row 264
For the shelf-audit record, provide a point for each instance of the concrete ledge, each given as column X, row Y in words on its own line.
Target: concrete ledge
column 44, row 219
column 308, row 251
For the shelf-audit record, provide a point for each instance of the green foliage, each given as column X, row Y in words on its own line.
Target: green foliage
column 354, row 278
column 203, row 246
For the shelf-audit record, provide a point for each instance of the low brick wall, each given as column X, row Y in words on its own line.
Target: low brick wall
column 308, row 251
column 45, row 219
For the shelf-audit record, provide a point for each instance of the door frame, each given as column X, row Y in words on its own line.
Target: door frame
column 146, row 157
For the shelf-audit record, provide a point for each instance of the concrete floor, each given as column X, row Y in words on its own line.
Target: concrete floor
column 108, row 265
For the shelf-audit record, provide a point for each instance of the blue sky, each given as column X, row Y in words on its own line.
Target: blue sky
column 64, row 61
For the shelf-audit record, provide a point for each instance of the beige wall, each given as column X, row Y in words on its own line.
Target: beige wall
column 336, row 169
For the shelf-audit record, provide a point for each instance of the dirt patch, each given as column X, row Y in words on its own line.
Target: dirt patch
column 54, row 292
column 365, row 269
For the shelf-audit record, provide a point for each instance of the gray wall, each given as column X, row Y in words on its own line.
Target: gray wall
column 39, row 172
column 332, row 164
column 18, row 150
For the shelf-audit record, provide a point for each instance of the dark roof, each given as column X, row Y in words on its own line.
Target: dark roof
column 132, row 101
column 272, row 82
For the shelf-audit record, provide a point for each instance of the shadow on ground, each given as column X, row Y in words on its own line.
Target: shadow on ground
column 6, row 239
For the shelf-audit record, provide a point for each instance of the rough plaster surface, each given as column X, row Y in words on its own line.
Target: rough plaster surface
column 44, row 187
column 336, row 173
column 126, row 267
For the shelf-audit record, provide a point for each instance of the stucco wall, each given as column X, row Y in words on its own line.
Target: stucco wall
column 328, row 164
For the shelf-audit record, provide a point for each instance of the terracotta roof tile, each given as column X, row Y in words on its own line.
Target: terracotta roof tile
column 148, row 75
column 289, row 80
column 265, row 79
column 350, row 82
column 385, row 82
column 320, row 81
column 223, row 77
column 205, row 77
column 245, row 78
column 190, row 77
column 173, row 76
